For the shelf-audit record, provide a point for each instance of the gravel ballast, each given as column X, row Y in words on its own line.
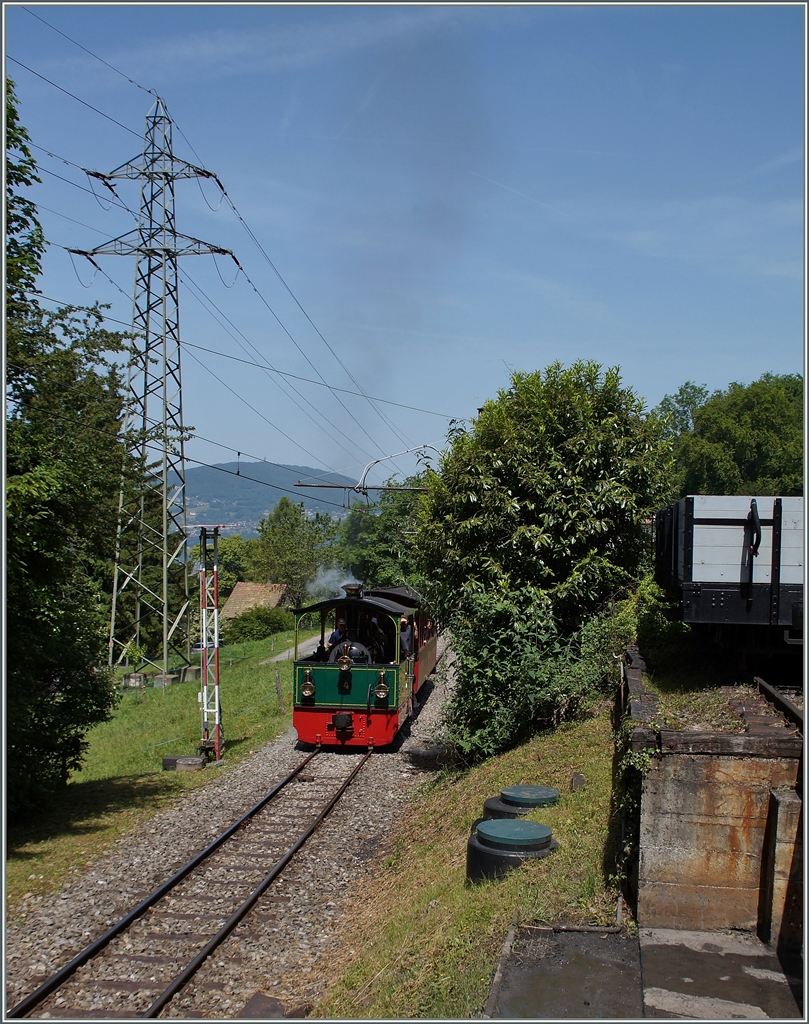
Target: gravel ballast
column 276, row 949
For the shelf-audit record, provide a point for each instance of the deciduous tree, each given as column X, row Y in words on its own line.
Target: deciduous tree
column 376, row 542
column 64, row 456
column 537, row 517
column 292, row 546
column 746, row 440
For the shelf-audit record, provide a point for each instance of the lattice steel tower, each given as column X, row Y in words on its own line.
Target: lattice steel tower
column 151, row 567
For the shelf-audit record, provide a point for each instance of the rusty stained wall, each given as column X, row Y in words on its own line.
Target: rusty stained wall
column 703, row 822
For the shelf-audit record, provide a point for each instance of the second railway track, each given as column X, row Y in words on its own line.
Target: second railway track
column 151, row 961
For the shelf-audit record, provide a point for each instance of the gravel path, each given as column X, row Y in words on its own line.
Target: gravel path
column 273, row 952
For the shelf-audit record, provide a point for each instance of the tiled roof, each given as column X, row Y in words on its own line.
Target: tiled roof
column 252, row 595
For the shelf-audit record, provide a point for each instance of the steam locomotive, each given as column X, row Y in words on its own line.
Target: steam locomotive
column 358, row 687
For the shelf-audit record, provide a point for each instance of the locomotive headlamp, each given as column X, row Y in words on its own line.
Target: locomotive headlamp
column 344, row 662
column 382, row 689
column 307, row 686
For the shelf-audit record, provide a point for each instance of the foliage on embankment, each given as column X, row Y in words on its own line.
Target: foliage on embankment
column 421, row 943
column 536, row 522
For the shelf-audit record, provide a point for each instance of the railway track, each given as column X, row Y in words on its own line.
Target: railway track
column 787, row 700
column 153, row 952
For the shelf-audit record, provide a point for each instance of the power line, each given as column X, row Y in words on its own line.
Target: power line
column 202, row 298
column 75, row 184
column 70, row 40
column 234, row 393
column 261, row 415
column 196, row 436
column 294, row 297
column 330, row 387
column 193, row 283
column 350, row 376
column 220, row 469
column 268, row 367
column 73, row 96
column 308, row 360
column 242, row 221
column 360, row 394
column 241, row 398
column 250, row 233
column 307, row 380
column 205, row 300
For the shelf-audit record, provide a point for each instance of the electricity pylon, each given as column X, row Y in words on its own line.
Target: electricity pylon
column 151, row 561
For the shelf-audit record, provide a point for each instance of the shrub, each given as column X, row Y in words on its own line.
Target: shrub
column 257, row 624
column 537, row 519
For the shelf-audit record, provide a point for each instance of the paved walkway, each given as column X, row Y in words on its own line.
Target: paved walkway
column 546, row 975
column 305, row 647
column 716, row 976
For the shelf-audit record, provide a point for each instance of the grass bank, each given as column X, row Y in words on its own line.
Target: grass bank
column 421, row 943
column 122, row 783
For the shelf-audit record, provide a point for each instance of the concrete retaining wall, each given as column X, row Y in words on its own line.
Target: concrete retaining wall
column 703, row 823
column 720, row 838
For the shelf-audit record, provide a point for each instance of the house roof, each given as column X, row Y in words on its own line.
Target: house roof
column 245, row 596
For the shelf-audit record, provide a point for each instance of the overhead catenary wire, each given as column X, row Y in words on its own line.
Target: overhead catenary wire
column 323, row 382
column 386, row 420
column 241, row 219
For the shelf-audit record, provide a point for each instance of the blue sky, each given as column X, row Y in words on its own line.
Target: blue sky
column 451, row 192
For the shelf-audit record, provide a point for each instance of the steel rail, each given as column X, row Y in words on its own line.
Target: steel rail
column 784, row 704
column 70, row 968
column 182, row 979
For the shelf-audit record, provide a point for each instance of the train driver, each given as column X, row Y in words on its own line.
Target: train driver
column 338, row 634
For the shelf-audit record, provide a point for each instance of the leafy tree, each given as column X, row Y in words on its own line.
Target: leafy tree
column 64, row 456
column 537, row 518
column 376, row 543
column 25, row 243
column 678, row 410
column 236, row 557
column 291, row 547
column 549, row 491
column 746, row 440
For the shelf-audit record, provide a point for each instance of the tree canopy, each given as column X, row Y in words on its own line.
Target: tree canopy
column 741, row 440
column 535, row 520
column 64, row 455
column 292, row 546
column 376, row 542
column 549, row 491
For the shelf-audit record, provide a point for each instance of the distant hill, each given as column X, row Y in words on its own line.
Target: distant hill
column 213, row 496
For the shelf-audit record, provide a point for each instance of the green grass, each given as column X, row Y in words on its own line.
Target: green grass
column 422, row 943
column 151, row 724
column 122, row 783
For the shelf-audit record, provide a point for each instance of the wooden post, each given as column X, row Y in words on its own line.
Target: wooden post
column 278, row 690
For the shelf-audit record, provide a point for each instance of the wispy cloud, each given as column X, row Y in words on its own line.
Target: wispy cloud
column 308, row 43
column 792, row 156
column 725, row 234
